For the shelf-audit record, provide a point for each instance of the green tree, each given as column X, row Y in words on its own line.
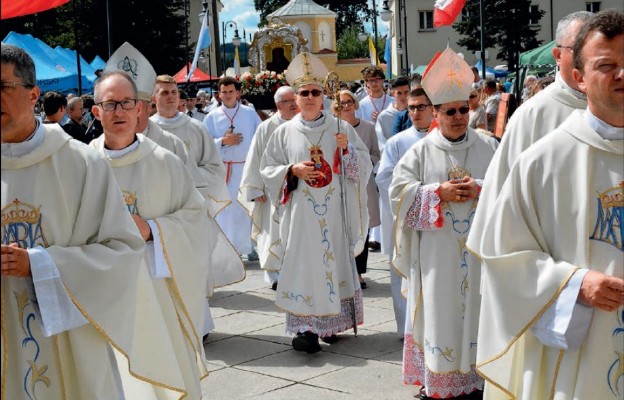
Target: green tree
column 506, row 25
column 348, row 45
column 157, row 31
column 349, row 12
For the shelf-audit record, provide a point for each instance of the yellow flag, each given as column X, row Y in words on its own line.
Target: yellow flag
column 373, row 51
column 236, row 62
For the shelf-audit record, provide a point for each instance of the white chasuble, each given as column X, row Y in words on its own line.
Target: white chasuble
column 533, row 120
column 560, row 210
column 264, row 229
column 443, row 278
column 209, row 174
column 241, row 120
column 169, row 141
column 63, row 197
column 156, row 186
column 318, row 283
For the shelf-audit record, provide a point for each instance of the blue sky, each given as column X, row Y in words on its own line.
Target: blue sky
column 246, row 17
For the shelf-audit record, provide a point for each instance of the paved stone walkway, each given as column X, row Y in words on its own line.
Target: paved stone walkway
column 250, row 356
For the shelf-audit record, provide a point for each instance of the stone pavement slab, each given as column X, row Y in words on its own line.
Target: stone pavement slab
column 250, row 356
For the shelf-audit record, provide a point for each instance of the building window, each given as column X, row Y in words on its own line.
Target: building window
column 426, row 20
column 534, row 13
column 593, row 6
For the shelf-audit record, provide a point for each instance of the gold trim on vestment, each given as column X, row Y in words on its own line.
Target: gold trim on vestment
column 556, row 374
column 102, row 332
column 176, row 291
column 513, row 340
column 5, row 346
column 57, row 355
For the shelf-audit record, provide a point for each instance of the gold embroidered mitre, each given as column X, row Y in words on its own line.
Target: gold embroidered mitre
column 306, row 69
column 129, row 60
column 448, row 78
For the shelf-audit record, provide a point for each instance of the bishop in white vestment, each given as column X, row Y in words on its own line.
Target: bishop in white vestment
column 434, row 193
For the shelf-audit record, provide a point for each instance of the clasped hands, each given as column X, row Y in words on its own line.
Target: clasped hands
column 459, row 191
column 305, row 170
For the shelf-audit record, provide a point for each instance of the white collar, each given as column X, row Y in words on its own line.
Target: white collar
column 169, row 121
column 606, row 131
column 27, row 146
column 113, row 154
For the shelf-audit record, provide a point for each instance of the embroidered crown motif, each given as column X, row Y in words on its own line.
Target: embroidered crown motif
column 17, row 211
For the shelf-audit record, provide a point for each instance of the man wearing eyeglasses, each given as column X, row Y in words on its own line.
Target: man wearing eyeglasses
column 434, row 192
column 253, row 192
column 170, row 214
column 70, row 259
column 420, row 111
column 318, row 284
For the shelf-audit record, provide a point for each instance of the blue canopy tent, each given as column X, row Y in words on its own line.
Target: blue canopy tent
column 85, row 68
column 98, row 63
column 53, row 70
column 491, row 71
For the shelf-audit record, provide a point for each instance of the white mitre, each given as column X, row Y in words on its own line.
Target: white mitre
column 306, row 69
column 129, row 60
column 448, row 78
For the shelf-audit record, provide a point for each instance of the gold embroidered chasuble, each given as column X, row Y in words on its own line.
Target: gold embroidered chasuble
column 559, row 210
column 64, row 197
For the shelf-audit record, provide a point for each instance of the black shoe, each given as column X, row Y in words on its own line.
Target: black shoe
column 274, row 286
column 363, row 285
column 205, row 337
column 307, row 342
column 330, row 339
column 374, row 246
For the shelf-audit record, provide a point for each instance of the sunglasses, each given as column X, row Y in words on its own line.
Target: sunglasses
column 347, row 103
column 306, row 93
column 452, row 111
column 420, row 107
column 472, row 96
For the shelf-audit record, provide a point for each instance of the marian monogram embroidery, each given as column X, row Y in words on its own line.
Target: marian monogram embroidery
column 609, row 226
column 615, row 374
column 21, row 224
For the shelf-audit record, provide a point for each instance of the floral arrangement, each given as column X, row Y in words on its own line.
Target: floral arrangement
column 264, row 82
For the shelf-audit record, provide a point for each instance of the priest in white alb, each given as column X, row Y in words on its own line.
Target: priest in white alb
column 434, row 193
column 318, row 288
column 552, row 314
column 72, row 283
column 209, row 176
column 253, row 192
column 170, row 214
column 535, row 118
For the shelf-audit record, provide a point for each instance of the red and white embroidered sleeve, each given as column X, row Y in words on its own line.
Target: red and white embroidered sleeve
column 425, row 213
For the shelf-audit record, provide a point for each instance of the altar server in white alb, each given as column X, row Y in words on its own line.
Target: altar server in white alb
column 537, row 117
column 552, row 315
column 253, row 192
column 434, row 193
column 170, row 214
column 209, row 176
column 225, row 265
column 72, row 283
column 420, row 111
column 232, row 126
column 318, row 287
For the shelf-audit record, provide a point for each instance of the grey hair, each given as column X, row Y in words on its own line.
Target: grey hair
column 282, row 91
column 107, row 74
column 564, row 24
column 23, row 63
column 73, row 102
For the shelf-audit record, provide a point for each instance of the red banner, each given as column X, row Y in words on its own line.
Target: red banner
column 446, row 11
column 18, row 8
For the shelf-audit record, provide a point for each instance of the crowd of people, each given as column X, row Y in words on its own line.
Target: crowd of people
column 123, row 211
